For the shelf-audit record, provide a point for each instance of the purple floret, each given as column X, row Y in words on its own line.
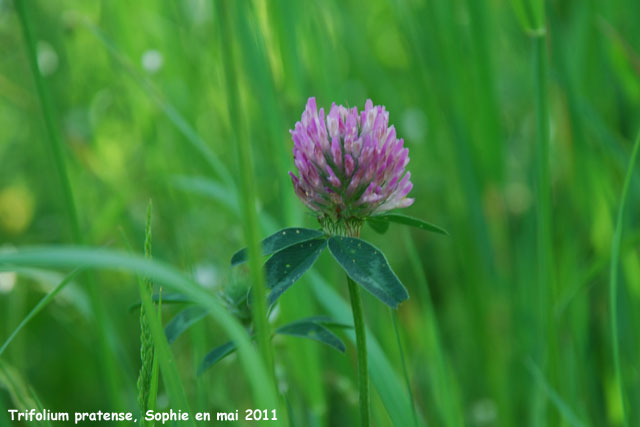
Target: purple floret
column 351, row 165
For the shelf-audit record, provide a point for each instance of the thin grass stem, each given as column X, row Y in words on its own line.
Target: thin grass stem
column 249, row 196
column 405, row 372
column 110, row 373
column 613, row 280
column 42, row 304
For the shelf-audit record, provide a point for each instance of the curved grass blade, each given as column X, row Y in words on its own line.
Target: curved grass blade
column 613, row 278
column 378, row 220
column 42, row 304
column 182, row 321
column 314, row 331
column 368, row 267
column 289, row 264
column 66, row 256
column 216, row 355
column 279, row 240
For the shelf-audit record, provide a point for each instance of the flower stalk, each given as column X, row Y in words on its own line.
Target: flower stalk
column 361, row 344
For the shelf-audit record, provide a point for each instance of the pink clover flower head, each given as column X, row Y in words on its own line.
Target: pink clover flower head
column 351, row 165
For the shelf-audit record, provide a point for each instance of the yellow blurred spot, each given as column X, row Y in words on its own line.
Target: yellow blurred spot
column 16, row 209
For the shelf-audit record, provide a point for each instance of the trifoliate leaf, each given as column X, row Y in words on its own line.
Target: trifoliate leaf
column 368, row 267
column 289, row 264
column 279, row 240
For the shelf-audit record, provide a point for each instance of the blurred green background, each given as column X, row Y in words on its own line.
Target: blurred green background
column 509, row 317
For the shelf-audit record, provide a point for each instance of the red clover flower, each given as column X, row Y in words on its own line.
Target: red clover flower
column 351, row 164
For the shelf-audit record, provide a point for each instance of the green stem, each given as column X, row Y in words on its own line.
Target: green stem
column 110, row 373
column 155, row 370
column 361, row 343
column 613, row 288
column 546, row 282
column 47, row 109
column 249, row 194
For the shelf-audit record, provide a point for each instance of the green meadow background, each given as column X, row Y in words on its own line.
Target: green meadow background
column 520, row 121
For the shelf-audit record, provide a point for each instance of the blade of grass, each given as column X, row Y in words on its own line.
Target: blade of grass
column 55, row 142
column 240, row 140
column 553, row 396
column 405, row 372
column 447, row 400
column 613, row 280
column 546, row 271
column 41, row 305
column 70, row 256
column 102, row 323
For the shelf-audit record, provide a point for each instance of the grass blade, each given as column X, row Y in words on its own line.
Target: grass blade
column 553, row 396
column 613, row 279
column 42, row 304
column 248, row 194
column 66, row 256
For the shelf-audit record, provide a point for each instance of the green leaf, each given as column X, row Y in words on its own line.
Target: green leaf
column 378, row 225
column 310, row 327
column 216, row 355
column 182, row 321
column 279, row 240
column 368, row 267
column 376, row 222
column 307, row 328
column 288, row 265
